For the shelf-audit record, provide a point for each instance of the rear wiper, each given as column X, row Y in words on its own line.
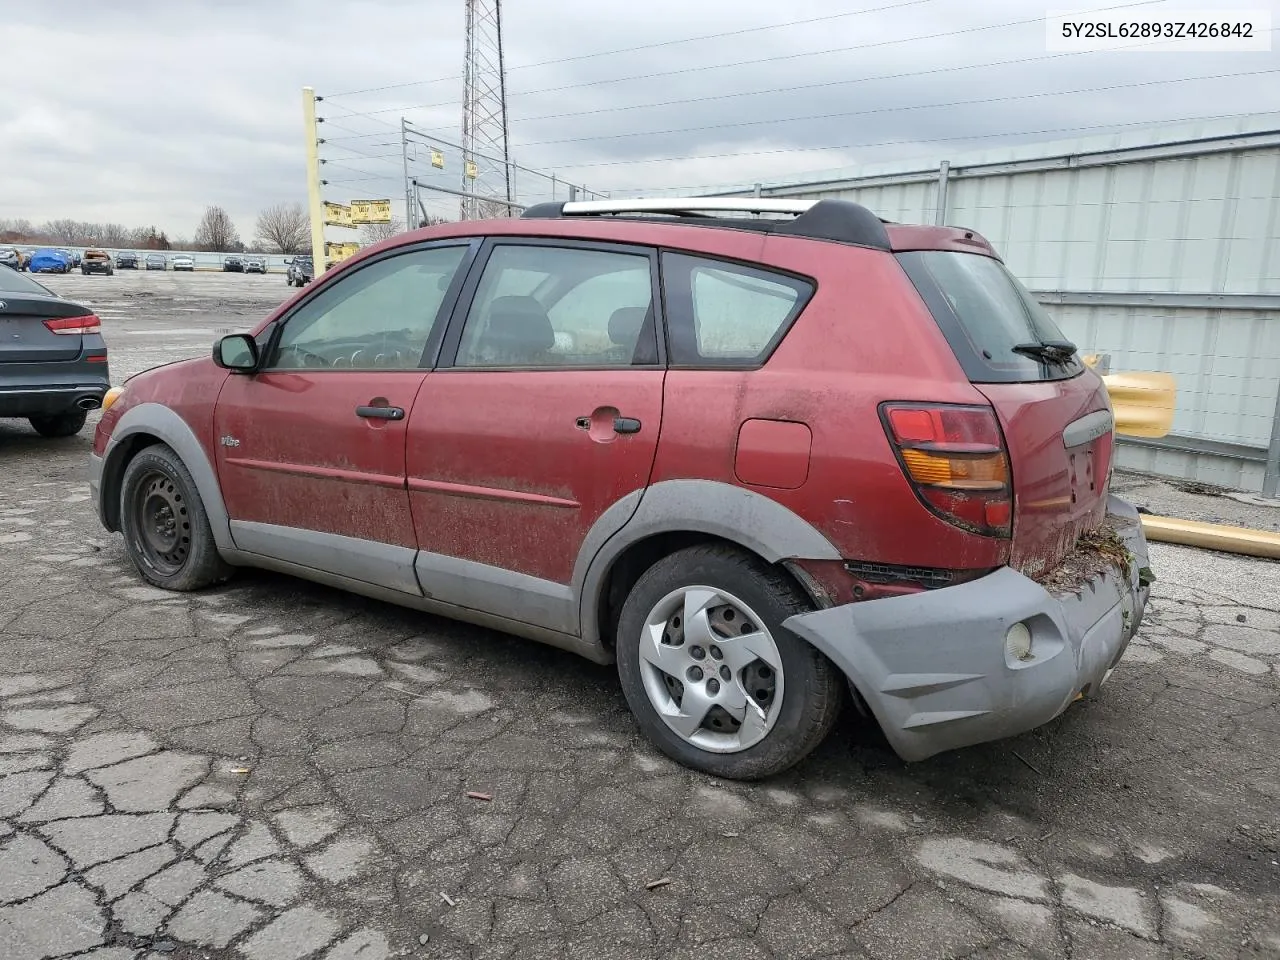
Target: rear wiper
column 1047, row 351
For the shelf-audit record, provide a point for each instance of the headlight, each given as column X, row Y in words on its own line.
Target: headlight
column 111, row 397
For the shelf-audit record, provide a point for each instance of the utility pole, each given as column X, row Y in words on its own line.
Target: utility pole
column 408, row 188
column 315, row 203
column 484, row 111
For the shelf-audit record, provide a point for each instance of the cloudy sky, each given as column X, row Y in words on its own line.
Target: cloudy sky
column 146, row 111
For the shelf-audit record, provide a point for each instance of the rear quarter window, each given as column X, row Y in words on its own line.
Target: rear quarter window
column 984, row 312
column 722, row 314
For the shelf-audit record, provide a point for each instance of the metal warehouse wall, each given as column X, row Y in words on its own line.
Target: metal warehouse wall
column 1160, row 247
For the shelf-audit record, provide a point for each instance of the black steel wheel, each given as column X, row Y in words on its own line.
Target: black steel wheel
column 166, row 530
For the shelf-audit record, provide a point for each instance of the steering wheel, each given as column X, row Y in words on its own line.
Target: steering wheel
column 305, row 358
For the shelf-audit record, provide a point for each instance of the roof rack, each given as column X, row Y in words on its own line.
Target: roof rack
column 839, row 220
column 687, row 205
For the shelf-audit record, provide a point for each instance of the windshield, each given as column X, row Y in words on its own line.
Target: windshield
column 984, row 312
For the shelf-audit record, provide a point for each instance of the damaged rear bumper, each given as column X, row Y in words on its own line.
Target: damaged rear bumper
column 935, row 667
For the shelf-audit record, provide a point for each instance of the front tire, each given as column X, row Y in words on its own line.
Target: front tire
column 714, row 680
column 61, row 424
column 166, row 530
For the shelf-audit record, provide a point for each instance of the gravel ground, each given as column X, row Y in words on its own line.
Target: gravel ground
column 274, row 770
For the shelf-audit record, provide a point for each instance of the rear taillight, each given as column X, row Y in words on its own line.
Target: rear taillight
column 955, row 458
column 74, row 325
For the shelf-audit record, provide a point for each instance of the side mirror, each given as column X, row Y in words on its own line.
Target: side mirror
column 239, row 351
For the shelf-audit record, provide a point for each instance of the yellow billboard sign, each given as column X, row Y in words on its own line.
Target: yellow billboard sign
column 337, row 214
column 336, row 252
column 437, row 158
column 472, row 170
column 370, row 211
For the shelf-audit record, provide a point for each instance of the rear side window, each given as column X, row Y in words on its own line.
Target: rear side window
column 541, row 306
column 726, row 314
column 984, row 312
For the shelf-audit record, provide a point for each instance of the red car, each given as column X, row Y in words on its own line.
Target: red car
column 763, row 463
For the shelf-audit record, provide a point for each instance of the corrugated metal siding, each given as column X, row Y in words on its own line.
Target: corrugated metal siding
column 1193, row 224
column 1227, row 362
column 1202, row 468
column 1207, row 224
column 904, row 202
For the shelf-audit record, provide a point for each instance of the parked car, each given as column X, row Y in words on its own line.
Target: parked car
column 232, row 264
column 73, row 258
column 183, row 262
column 255, row 265
column 882, row 471
column 53, row 361
column 48, row 260
column 128, row 260
column 157, row 261
column 11, row 258
column 97, row 261
column 301, row 271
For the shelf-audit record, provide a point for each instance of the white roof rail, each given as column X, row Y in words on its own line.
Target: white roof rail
column 687, row 205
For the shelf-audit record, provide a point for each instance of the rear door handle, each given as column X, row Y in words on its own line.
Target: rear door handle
column 380, row 413
column 626, row 425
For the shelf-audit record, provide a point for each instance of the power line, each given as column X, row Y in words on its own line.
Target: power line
column 652, row 46
column 760, row 60
column 755, row 93
column 347, row 161
column 358, row 179
column 894, row 143
column 807, row 86
column 895, row 109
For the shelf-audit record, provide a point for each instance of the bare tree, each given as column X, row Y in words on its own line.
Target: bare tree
column 494, row 210
column 112, row 235
column 62, row 231
column 284, row 226
column 16, row 231
column 377, row 232
column 216, row 232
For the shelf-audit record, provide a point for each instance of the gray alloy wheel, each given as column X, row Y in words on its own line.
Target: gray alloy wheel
column 711, row 669
column 714, row 679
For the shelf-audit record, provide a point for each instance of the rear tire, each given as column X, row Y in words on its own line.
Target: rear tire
column 166, row 530
column 772, row 697
column 61, row 424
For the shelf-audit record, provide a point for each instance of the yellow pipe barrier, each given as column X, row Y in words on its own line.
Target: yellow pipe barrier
column 1212, row 536
column 1143, row 406
column 1142, row 403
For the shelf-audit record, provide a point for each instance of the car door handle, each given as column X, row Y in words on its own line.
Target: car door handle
column 626, row 425
column 380, row 413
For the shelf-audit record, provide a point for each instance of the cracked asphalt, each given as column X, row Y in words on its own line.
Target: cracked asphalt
column 274, row 770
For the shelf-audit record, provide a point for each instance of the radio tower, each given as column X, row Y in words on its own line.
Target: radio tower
column 484, row 114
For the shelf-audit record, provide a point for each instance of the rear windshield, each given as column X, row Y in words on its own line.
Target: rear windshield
column 984, row 312
column 11, row 281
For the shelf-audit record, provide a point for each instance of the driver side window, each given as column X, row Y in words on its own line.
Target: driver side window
column 379, row 317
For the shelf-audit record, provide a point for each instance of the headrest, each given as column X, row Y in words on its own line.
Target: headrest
column 520, row 323
column 625, row 325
